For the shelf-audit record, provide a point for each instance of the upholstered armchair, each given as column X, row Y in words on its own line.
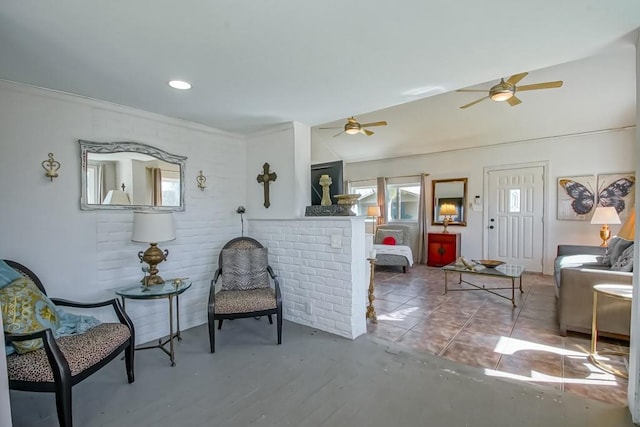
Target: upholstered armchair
column 245, row 288
column 398, row 254
column 65, row 361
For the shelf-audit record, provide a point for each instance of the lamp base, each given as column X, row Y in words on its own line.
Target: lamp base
column 152, row 280
column 153, row 256
column 605, row 235
column 445, row 223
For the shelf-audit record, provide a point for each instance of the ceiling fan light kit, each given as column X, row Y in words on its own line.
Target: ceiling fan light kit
column 502, row 91
column 352, row 127
column 506, row 90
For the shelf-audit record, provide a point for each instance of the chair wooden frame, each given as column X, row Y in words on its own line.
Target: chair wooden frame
column 212, row 316
column 63, row 380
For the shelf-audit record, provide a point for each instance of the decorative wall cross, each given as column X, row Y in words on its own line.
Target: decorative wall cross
column 265, row 178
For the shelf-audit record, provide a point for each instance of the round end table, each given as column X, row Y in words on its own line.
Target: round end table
column 619, row 291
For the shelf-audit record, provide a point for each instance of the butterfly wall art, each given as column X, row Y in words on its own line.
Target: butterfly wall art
column 579, row 195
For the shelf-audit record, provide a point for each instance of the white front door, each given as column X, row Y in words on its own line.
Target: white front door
column 515, row 214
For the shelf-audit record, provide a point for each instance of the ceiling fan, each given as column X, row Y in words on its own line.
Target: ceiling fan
column 506, row 90
column 352, row 127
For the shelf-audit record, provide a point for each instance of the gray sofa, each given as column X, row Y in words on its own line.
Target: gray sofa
column 577, row 269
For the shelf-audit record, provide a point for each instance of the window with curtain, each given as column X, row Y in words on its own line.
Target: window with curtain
column 368, row 197
column 170, row 184
column 403, row 200
column 92, row 185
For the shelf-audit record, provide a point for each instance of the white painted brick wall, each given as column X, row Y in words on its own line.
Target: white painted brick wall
column 322, row 287
column 85, row 255
column 207, row 223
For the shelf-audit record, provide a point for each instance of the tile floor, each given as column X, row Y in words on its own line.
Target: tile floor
column 484, row 330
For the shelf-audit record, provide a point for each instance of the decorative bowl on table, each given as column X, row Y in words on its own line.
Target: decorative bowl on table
column 489, row 263
column 347, row 199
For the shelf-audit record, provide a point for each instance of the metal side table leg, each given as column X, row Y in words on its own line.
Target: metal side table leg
column 178, row 318
column 173, row 363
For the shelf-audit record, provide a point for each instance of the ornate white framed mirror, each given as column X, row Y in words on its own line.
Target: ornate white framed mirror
column 130, row 175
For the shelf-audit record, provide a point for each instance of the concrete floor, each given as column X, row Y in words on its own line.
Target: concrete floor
column 312, row 379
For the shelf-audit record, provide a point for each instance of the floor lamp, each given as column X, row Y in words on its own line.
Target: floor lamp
column 374, row 211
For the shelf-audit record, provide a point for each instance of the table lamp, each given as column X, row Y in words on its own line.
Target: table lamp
column 628, row 229
column 153, row 227
column 605, row 216
column 447, row 209
column 374, row 211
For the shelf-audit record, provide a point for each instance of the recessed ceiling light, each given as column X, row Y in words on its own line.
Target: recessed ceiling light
column 179, row 84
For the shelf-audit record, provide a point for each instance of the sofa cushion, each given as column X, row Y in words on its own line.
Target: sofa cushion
column 563, row 261
column 617, row 245
column 624, row 261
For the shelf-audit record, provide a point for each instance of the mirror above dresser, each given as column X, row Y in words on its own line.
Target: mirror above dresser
column 449, row 201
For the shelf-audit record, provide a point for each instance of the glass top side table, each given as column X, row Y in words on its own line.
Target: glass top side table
column 167, row 290
column 618, row 291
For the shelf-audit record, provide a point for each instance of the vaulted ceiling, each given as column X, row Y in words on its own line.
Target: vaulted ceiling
column 254, row 65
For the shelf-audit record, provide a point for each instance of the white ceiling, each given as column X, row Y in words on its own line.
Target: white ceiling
column 257, row 64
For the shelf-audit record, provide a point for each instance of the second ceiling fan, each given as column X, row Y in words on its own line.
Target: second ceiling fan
column 352, row 127
column 506, row 90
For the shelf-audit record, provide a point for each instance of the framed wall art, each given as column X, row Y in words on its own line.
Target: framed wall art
column 576, row 197
column 617, row 190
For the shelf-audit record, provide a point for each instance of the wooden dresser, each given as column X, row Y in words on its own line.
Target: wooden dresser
column 443, row 248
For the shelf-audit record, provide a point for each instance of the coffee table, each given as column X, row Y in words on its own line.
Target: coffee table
column 505, row 271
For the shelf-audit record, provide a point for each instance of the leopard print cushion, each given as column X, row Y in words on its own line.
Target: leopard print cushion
column 228, row 302
column 81, row 351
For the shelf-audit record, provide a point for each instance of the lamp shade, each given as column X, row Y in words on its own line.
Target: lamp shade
column 448, row 209
column 373, row 211
column 116, row 197
column 628, row 229
column 153, row 227
column 605, row 215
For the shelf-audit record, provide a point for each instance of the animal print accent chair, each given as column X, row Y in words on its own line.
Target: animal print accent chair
column 245, row 289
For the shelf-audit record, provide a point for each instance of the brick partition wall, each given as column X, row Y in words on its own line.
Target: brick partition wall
column 322, row 286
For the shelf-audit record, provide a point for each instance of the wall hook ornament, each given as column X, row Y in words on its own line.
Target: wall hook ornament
column 51, row 167
column 201, row 179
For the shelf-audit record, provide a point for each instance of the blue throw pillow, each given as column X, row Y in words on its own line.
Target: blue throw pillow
column 7, row 274
column 625, row 261
column 26, row 309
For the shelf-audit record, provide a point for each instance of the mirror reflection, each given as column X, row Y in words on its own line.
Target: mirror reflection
column 128, row 175
column 449, row 201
